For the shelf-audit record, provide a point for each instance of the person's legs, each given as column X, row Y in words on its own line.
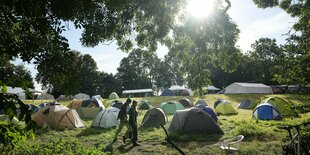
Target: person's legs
column 134, row 135
column 128, row 133
column 120, row 127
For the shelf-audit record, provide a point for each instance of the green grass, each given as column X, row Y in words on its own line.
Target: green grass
column 261, row 137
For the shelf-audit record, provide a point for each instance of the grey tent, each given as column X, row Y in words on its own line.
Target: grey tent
column 185, row 102
column 145, row 105
column 202, row 102
column 46, row 96
column 116, row 104
column 245, row 104
column 248, row 88
column 106, row 118
column 194, row 120
column 81, row 96
column 154, row 117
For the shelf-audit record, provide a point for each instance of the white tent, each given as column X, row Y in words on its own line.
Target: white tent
column 106, row 118
column 46, row 96
column 81, row 96
column 16, row 90
column 248, row 88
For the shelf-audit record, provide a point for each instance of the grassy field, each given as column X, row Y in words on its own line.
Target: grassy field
column 261, row 137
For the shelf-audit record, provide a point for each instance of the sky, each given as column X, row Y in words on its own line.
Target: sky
column 253, row 22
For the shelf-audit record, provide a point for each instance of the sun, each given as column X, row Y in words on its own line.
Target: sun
column 200, row 8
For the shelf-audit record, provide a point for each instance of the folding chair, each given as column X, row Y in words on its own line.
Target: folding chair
column 226, row 145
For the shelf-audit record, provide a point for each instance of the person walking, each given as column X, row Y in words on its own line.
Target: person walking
column 122, row 116
column 133, row 123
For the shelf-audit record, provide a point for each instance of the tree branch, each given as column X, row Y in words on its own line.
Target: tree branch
column 228, row 6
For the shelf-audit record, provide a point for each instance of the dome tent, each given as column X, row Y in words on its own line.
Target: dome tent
column 208, row 110
column 194, row 120
column 217, row 102
column 201, row 101
column 185, row 102
column 285, row 108
column 266, row 111
column 106, row 118
column 145, row 104
column 113, row 96
column 225, row 108
column 87, row 108
column 58, row 117
column 116, row 104
column 167, row 92
column 81, row 96
column 90, row 108
column 245, row 104
column 154, row 117
column 170, row 107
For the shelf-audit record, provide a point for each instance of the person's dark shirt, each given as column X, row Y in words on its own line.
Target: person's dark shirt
column 133, row 115
column 122, row 115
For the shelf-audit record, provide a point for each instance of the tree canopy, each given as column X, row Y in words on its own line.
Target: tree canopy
column 296, row 68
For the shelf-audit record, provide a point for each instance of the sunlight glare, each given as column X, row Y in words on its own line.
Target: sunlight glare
column 200, row 8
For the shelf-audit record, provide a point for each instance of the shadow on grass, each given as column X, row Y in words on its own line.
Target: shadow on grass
column 93, row 131
column 124, row 148
column 208, row 139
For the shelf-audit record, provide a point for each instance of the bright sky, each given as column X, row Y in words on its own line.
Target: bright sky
column 253, row 22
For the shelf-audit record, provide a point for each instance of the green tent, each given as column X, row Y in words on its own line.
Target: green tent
column 113, row 96
column 145, row 105
column 154, row 117
column 171, row 107
column 285, row 108
column 225, row 108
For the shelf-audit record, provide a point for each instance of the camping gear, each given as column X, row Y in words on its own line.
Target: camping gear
column 90, row 108
column 58, row 117
column 74, row 104
column 145, row 104
column 81, row 96
column 208, row 110
column 113, row 96
column 245, row 104
column 217, row 102
column 116, row 104
column 46, row 96
column 154, row 117
column 106, row 118
column 170, row 107
column 285, row 108
column 227, row 145
column 248, row 88
column 202, row 102
column 194, row 120
column 167, row 92
column 225, row 108
column 185, row 102
column 266, row 111
column 32, row 108
column 5, row 118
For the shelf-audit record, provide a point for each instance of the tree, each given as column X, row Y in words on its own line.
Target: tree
column 16, row 76
column 88, row 71
column 297, row 57
column 265, row 56
column 106, row 84
column 175, row 69
column 135, row 71
column 203, row 43
column 61, row 72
